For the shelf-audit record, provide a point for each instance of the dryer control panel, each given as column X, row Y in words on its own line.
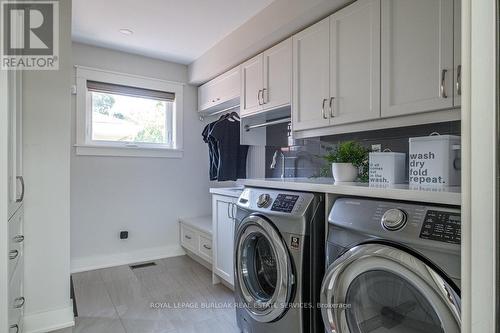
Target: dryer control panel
column 441, row 226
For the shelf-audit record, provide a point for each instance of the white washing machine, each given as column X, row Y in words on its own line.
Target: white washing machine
column 392, row 267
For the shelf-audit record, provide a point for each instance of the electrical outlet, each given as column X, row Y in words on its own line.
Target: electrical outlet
column 377, row 148
column 123, row 234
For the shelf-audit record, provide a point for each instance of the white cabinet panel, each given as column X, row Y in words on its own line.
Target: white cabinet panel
column 277, row 89
column 311, row 76
column 355, row 63
column 457, row 53
column 251, row 85
column 417, row 56
column 220, row 92
column 223, row 237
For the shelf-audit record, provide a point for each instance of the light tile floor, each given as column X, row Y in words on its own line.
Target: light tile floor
column 118, row 300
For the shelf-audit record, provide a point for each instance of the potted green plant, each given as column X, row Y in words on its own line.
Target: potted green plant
column 347, row 160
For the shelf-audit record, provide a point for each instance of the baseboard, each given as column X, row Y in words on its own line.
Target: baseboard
column 105, row 261
column 49, row 321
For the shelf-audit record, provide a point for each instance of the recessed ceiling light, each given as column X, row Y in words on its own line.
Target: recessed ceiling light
column 126, row 32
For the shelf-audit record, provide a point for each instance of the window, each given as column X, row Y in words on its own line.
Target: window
column 124, row 115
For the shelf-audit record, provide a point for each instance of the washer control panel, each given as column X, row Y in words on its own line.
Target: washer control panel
column 284, row 203
column 441, row 226
column 275, row 201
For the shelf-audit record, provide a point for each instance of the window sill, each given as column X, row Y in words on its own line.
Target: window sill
column 90, row 150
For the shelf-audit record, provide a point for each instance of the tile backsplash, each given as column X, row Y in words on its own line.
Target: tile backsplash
column 302, row 157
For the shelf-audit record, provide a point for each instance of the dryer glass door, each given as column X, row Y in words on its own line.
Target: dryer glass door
column 378, row 288
column 263, row 269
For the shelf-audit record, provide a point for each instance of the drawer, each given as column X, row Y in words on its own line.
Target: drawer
column 16, row 240
column 189, row 238
column 205, row 248
column 16, row 300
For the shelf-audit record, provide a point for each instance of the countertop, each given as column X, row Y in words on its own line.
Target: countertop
column 447, row 195
column 227, row 191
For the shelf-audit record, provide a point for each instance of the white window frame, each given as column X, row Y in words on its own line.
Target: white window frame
column 85, row 145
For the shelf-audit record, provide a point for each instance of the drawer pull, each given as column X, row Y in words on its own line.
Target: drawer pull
column 13, row 254
column 18, row 238
column 16, row 327
column 207, row 247
column 187, row 237
column 19, row 302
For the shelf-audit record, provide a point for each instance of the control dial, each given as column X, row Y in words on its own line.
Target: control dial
column 394, row 219
column 264, row 201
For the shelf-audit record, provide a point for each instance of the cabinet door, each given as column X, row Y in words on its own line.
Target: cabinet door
column 417, row 56
column 355, row 63
column 278, row 75
column 311, row 76
column 457, row 53
column 251, row 86
column 223, row 237
column 223, row 88
column 14, row 102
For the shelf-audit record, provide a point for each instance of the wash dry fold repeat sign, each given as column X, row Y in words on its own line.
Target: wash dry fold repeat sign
column 420, row 164
column 29, row 35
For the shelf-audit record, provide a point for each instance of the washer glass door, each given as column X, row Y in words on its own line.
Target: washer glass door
column 263, row 269
column 378, row 288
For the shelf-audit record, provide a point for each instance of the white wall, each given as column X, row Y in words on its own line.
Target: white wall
column 46, row 154
column 479, row 167
column 276, row 22
column 142, row 195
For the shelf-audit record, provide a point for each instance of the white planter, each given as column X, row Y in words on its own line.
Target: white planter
column 344, row 172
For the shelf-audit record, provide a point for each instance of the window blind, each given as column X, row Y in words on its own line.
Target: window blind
column 104, row 87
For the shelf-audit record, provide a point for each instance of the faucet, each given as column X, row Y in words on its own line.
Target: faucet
column 273, row 163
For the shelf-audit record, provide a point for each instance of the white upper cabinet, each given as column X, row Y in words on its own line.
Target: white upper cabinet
column 417, row 56
column 277, row 89
column 311, row 76
column 221, row 92
column 355, row 63
column 251, row 85
column 266, row 80
column 457, row 30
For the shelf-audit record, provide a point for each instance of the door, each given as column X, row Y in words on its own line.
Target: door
column 223, row 237
column 251, row 86
column 277, row 89
column 263, row 269
column 311, row 77
column 457, row 52
column 387, row 290
column 15, row 179
column 417, row 56
column 355, row 63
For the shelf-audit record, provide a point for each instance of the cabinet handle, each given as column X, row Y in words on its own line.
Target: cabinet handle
column 263, row 94
column 187, row 237
column 459, row 80
column 332, row 114
column 207, row 247
column 228, row 213
column 13, row 254
column 21, row 180
column 16, row 327
column 19, row 302
column 443, row 87
column 18, row 239
column 258, row 97
column 323, row 108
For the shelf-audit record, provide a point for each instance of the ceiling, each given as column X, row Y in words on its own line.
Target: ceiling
column 173, row 30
